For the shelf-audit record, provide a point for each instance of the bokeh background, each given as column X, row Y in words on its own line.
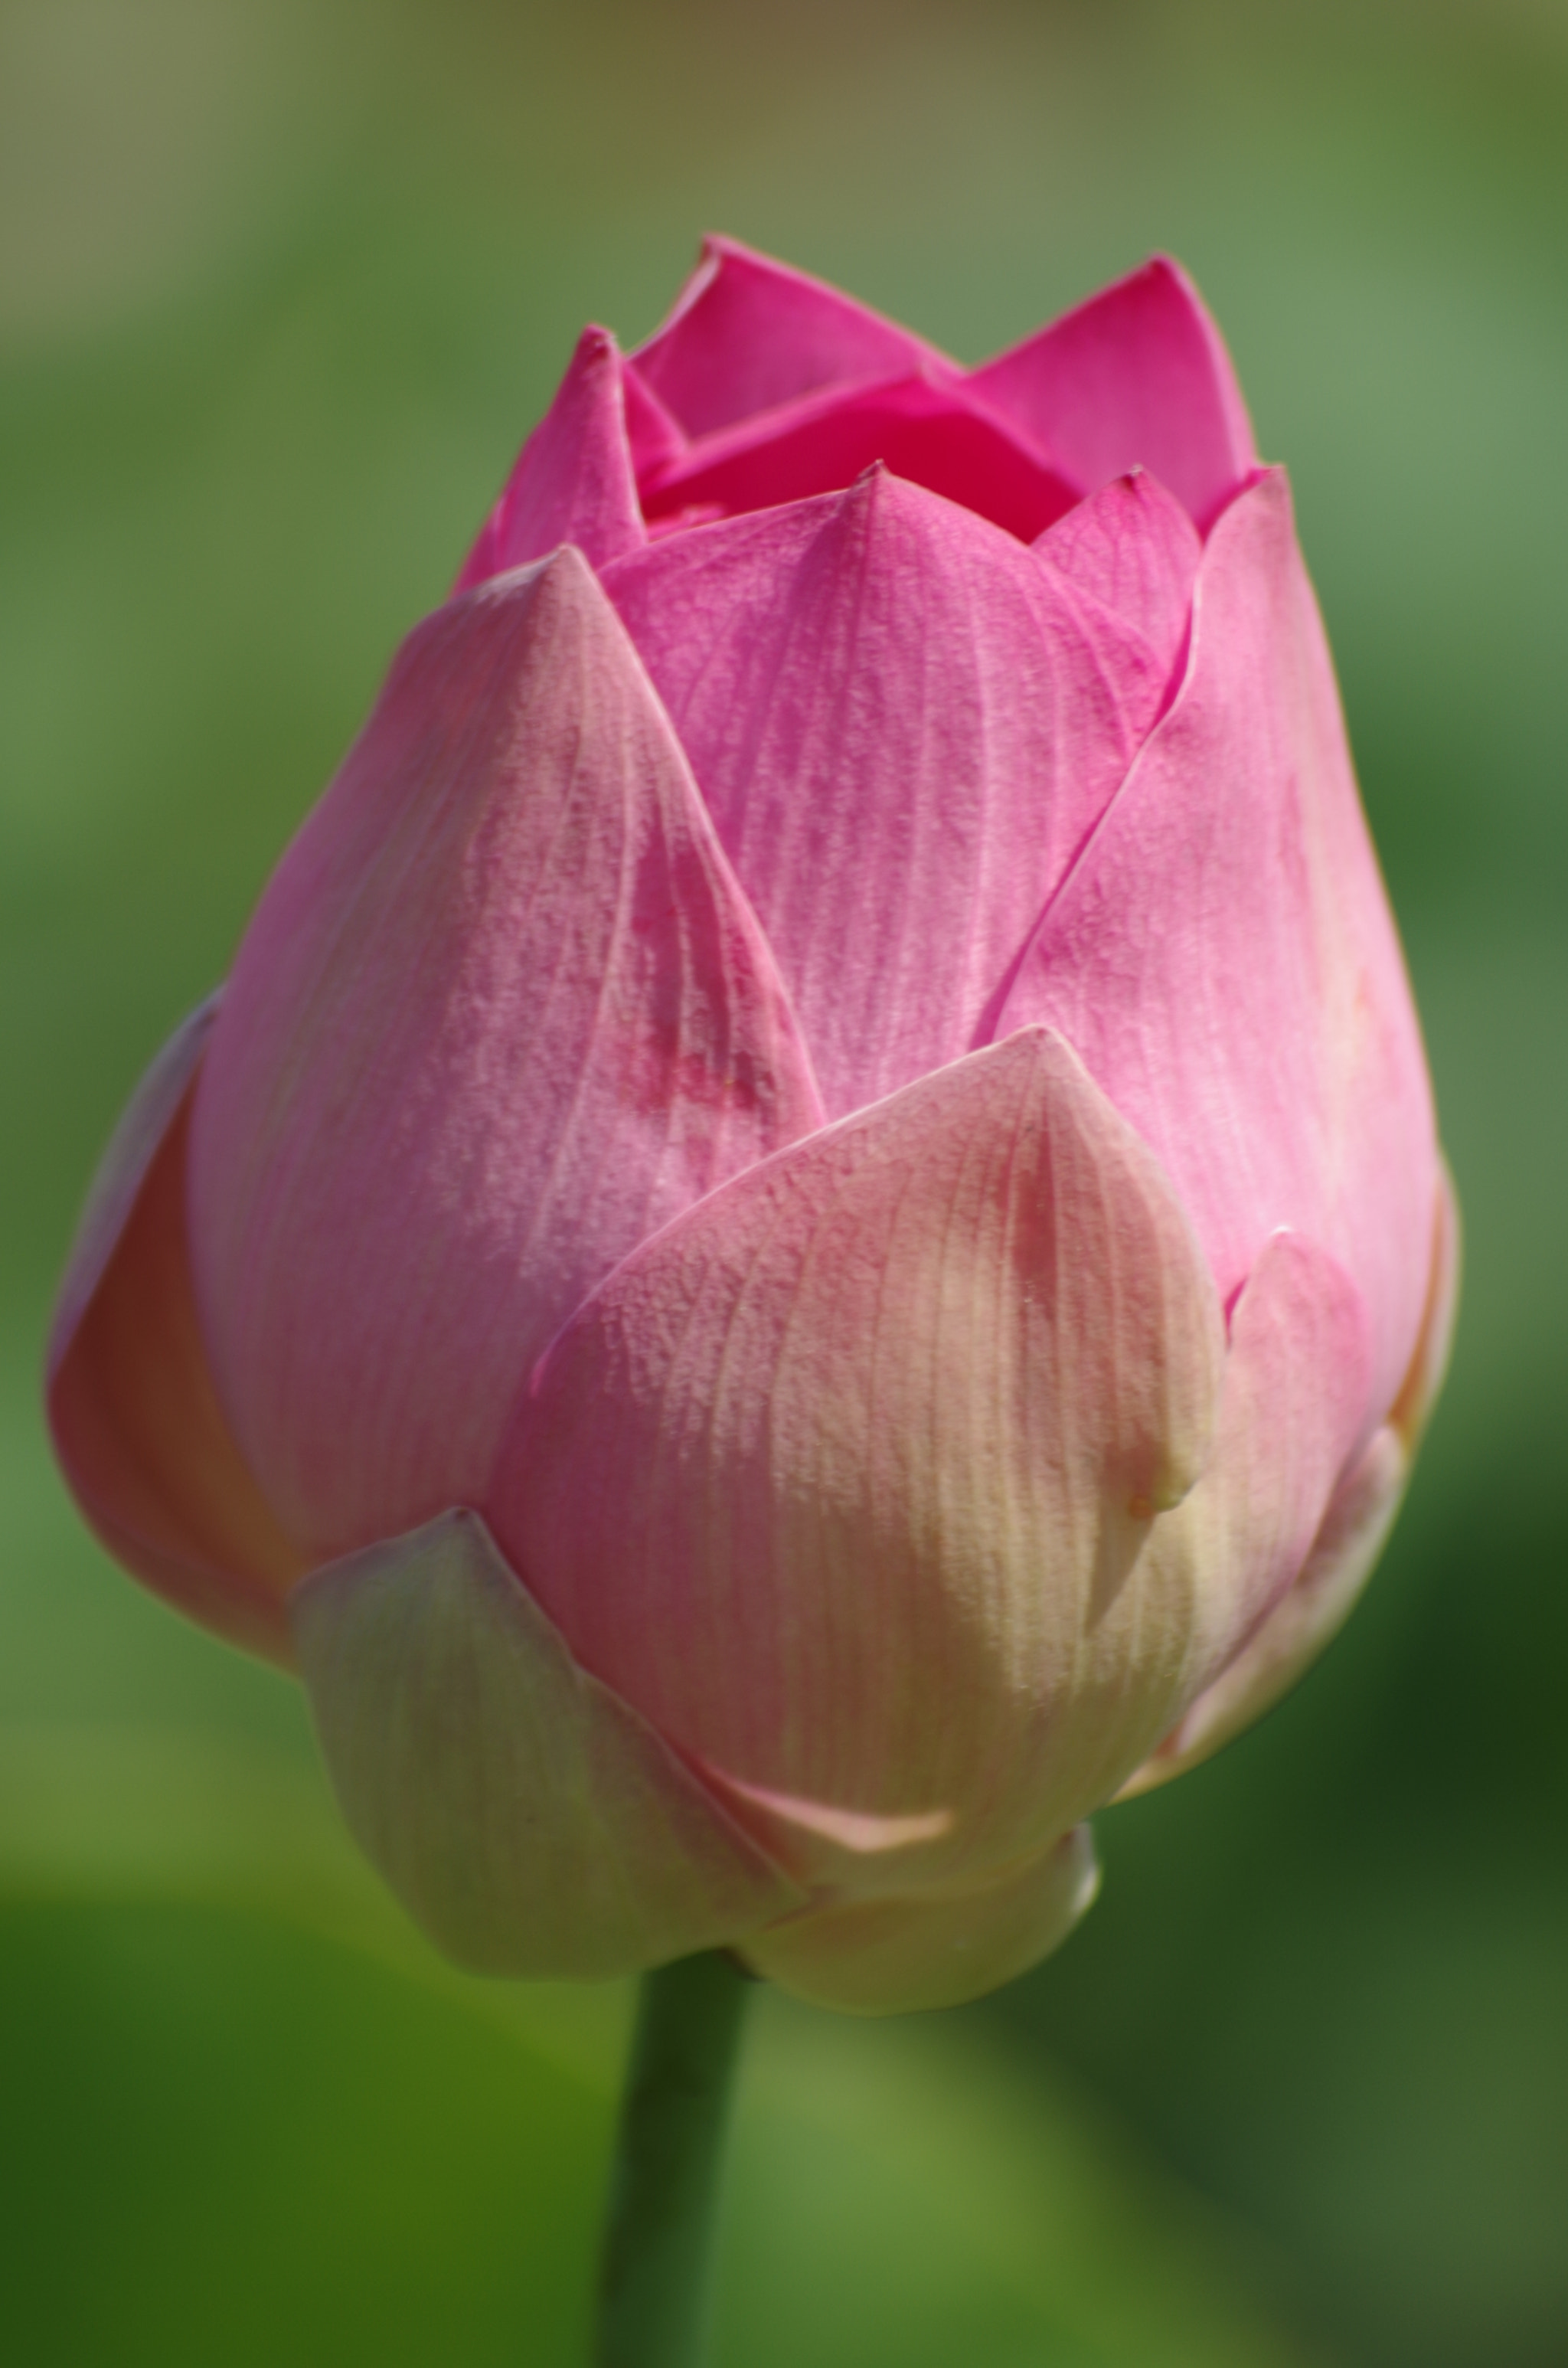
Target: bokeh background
column 282, row 283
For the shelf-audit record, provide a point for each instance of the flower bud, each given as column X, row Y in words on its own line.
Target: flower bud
column 809, row 1239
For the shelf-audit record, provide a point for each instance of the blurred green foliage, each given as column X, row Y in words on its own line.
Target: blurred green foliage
column 282, row 283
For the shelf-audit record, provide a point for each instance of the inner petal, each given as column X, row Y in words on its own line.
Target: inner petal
column 903, row 725
column 933, row 435
column 747, row 333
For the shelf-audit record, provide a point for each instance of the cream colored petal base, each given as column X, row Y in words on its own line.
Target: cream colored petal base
column 1344, row 1552
column 1302, row 1623
column 897, row 1956
column 529, row 1821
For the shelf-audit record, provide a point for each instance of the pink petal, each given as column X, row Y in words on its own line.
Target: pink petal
column 573, row 480
column 748, row 334
column 1136, row 375
column 1224, row 956
column 904, row 727
column 902, row 1956
column 1306, row 1619
column 1292, row 1416
column 935, row 435
column 138, row 1138
column 529, row 1820
column 132, row 1407
column 653, row 436
column 1294, row 1413
column 844, row 1479
column 502, row 1011
column 1311, row 1609
column 1133, row 546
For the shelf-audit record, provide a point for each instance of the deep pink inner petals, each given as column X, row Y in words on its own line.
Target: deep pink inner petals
column 929, row 434
column 904, row 727
column 1138, row 376
column 654, row 437
column 747, row 333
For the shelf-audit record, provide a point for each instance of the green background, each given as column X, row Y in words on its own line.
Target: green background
column 282, row 283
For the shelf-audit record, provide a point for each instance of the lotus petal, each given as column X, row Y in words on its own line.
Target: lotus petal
column 845, row 1480
column 1290, row 1424
column 502, row 1011
column 655, row 438
column 1133, row 546
column 904, row 727
column 1224, row 958
column 1305, row 1620
column 573, row 481
column 748, row 334
column 1137, row 376
column 1311, row 1612
column 929, row 432
column 898, row 1956
column 135, row 1415
column 529, row 1821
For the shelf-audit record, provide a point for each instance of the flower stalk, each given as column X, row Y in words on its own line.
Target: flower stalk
column 655, row 2277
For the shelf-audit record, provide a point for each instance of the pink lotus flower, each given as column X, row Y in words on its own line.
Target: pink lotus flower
column 809, row 1238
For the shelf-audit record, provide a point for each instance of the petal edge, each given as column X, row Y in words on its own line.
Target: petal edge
column 132, row 1408
column 889, row 1418
column 530, row 1822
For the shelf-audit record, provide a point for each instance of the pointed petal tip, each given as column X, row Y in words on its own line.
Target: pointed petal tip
column 1138, row 371
column 575, row 479
column 1167, row 267
column 1133, row 546
column 747, row 333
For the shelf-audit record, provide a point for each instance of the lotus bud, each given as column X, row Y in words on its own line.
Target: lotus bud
column 808, row 1240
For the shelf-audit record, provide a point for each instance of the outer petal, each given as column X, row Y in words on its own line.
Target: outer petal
column 135, row 1418
column 747, row 333
column 1351, row 1537
column 1296, row 1387
column 1309, row 1614
column 1133, row 546
column 1225, row 959
column 1429, row 1367
column 844, row 1478
column 932, row 433
column 1138, row 374
column 904, row 727
column 573, row 481
column 528, row 1819
column 895, row 1956
column 502, row 1011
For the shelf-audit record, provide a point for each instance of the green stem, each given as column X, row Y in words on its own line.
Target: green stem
column 664, row 2186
